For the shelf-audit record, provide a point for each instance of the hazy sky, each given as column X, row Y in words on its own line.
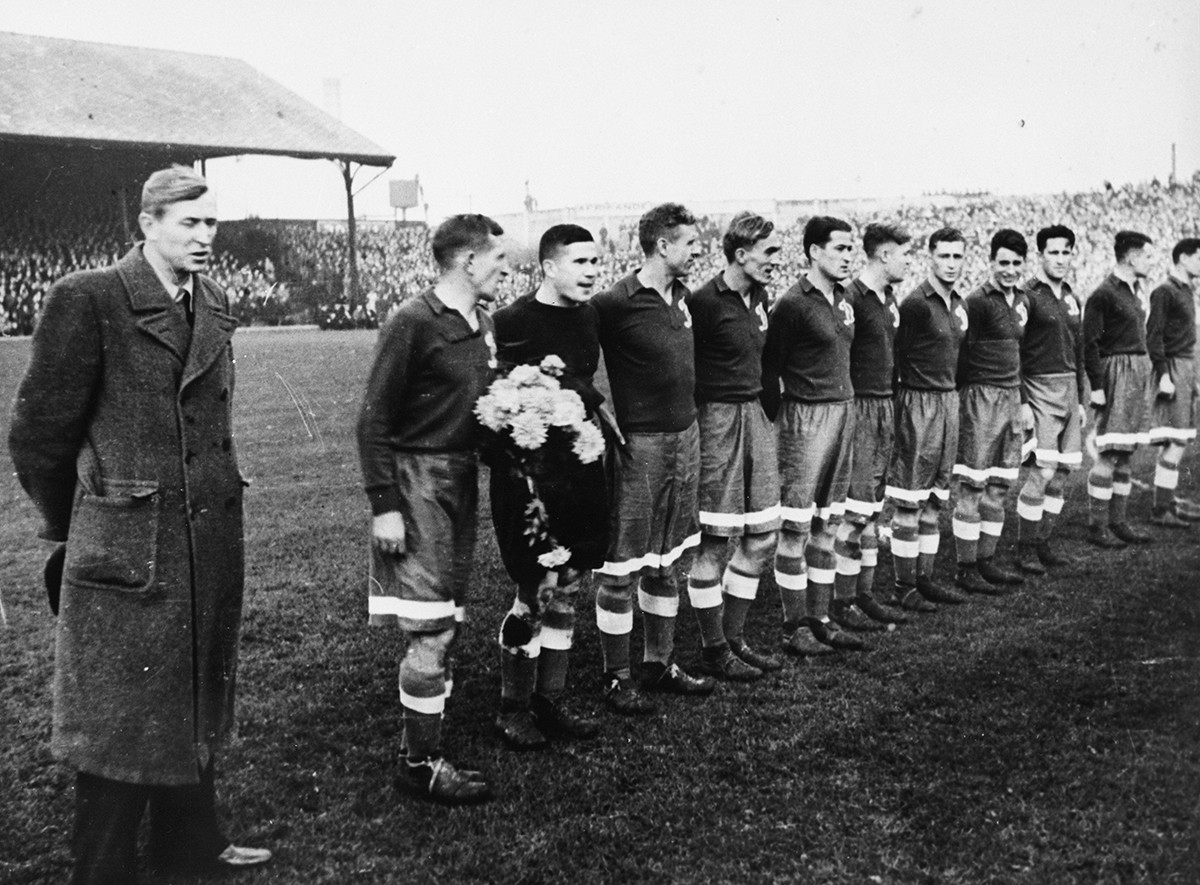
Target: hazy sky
column 613, row 100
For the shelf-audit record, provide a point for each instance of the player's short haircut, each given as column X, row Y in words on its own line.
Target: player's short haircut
column 175, row 184
column 946, row 235
column 819, row 229
column 876, row 235
column 661, row 221
column 1055, row 232
column 746, row 229
column 1127, row 241
column 462, row 233
column 1186, row 246
column 559, row 237
column 1007, row 238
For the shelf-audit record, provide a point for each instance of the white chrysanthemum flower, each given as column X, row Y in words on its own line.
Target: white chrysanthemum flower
column 528, row 431
column 554, row 558
column 552, row 364
column 490, row 415
column 525, row 376
column 589, row 444
column 568, row 409
column 507, row 399
column 539, row 401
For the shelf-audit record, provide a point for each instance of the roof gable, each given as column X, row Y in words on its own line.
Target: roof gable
column 102, row 94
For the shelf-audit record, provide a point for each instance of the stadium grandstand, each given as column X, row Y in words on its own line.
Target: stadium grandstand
column 82, row 124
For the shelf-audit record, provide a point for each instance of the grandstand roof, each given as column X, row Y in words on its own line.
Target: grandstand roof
column 102, row 95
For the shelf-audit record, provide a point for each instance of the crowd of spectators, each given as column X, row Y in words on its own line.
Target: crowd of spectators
column 304, row 280
column 34, row 252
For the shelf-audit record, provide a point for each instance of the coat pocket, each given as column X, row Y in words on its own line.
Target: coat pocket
column 113, row 541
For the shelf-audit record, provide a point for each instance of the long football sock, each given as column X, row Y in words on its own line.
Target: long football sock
column 705, row 597
column 740, row 591
column 614, row 620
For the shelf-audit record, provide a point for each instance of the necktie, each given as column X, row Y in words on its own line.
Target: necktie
column 185, row 298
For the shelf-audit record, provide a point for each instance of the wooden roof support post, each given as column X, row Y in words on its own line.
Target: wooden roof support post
column 352, row 287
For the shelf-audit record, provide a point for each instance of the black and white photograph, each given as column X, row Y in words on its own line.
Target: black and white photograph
column 629, row 442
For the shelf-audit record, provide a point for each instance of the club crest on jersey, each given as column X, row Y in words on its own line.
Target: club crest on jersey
column 1072, row 306
column 847, row 313
column 895, row 316
column 1022, row 314
column 762, row 317
column 490, row 340
column 962, row 317
column 687, row 314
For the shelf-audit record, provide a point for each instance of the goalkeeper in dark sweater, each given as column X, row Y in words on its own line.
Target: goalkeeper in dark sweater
column 536, row 634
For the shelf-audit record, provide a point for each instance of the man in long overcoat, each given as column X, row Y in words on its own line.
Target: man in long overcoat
column 122, row 436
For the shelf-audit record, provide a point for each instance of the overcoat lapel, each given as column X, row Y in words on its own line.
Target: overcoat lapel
column 157, row 314
column 211, row 333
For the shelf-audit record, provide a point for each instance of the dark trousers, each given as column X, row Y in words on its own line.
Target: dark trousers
column 184, row 833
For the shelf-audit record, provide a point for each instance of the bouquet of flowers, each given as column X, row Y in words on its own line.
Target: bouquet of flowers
column 541, row 429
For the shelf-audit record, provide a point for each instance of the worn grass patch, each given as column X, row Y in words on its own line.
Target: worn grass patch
column 1051, row 736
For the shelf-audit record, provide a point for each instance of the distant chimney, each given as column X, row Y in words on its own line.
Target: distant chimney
column 332, row 88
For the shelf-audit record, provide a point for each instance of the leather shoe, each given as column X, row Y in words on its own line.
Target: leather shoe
column 1029, row 560
column 910, row 599
column 520, row 731
column 968, row 578
column 996, row 573
column 937, row 593
column 671, row 679
column 1186, row 509
column 439, row 781
column 879, row 611
column 555, row 718
column 851, row 617
column 763, row 661
column 801, row 643
column 830, row 634
column 237, row 856
column 1051, row 557
column 729, row 667
column 623, row 697
column 1167, row 519
column 470, row 773
column 232, row 857
column 1129, row 534
column 1100, row 536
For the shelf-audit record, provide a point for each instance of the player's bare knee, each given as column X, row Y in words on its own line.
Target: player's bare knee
column 966, row 503
column 661, row 585
column 792, row 542
column 823, row 539
column 709, row 557
column 614, row 597
column 993, row 495
column 756, row 549
column 426, row 654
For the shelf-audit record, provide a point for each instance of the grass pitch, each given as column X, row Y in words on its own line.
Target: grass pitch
column 1050, row 736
